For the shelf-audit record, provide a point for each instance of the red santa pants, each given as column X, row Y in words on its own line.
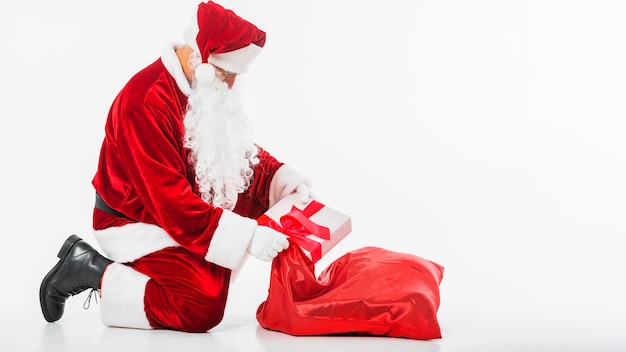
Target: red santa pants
column 181, row 291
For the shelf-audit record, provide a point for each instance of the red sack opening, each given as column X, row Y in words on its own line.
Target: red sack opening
column 368, row 291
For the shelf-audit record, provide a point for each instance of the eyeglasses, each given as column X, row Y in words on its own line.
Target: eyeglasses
column 224, row 72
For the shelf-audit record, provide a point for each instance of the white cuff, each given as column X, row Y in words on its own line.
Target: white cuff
column 230, row 241
column 122, row 302
column 285, row 181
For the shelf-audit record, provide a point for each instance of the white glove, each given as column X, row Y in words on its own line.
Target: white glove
column 266, row 243
column 305, row 192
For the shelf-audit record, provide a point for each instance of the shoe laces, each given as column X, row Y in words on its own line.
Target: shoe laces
column 87, row 303
column 78, row 289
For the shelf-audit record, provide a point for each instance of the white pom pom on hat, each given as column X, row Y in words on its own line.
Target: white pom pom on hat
column 205, row 73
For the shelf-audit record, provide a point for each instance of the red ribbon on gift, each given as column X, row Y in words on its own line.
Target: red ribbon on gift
column 297, row 225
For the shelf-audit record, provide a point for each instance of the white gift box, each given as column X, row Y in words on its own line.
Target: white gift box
column 331, row 226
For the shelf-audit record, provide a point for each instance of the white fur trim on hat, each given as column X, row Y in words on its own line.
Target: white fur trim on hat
column 237, row 61
column 191, row 32
column 230, row 241
column 122, row 302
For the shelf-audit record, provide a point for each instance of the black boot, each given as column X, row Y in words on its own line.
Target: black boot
column 80, row 268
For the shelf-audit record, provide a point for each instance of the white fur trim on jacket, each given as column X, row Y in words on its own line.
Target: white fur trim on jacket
column 285, row 181
column 130, row 242
column 122, row 302
column 230, row 241
column 173, row 66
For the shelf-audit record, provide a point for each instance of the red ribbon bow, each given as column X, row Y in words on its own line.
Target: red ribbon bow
column 297, row 225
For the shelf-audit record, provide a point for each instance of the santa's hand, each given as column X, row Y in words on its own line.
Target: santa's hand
column 305, row 192
column 266, row 243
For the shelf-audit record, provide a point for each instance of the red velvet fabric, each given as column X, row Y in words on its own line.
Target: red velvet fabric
column 369, row 291
column 185, row 292
column 222, row 31
column 143, row 170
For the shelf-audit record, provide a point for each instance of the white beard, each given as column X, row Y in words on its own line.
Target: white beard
column 219, row 136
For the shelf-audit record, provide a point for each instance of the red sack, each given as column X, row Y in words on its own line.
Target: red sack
column 368, row 291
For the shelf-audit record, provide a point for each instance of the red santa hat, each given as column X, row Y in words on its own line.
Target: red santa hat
column 223, row 39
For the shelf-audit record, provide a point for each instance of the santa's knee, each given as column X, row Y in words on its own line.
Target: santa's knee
column 202, row 317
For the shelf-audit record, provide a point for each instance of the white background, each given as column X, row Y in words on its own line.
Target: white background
column 487, row 136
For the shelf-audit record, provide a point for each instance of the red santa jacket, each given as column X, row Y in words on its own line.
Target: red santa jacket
column 144, row 174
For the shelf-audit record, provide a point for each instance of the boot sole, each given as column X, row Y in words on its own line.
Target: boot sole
column 62, row 255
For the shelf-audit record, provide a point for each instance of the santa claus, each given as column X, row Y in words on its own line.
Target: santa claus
column 179, row 185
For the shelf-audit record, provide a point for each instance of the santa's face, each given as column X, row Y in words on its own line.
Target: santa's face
column 219, row 136
column 225, row 76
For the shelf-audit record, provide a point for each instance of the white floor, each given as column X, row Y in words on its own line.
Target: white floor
column 82, row 331
column 485, row 313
